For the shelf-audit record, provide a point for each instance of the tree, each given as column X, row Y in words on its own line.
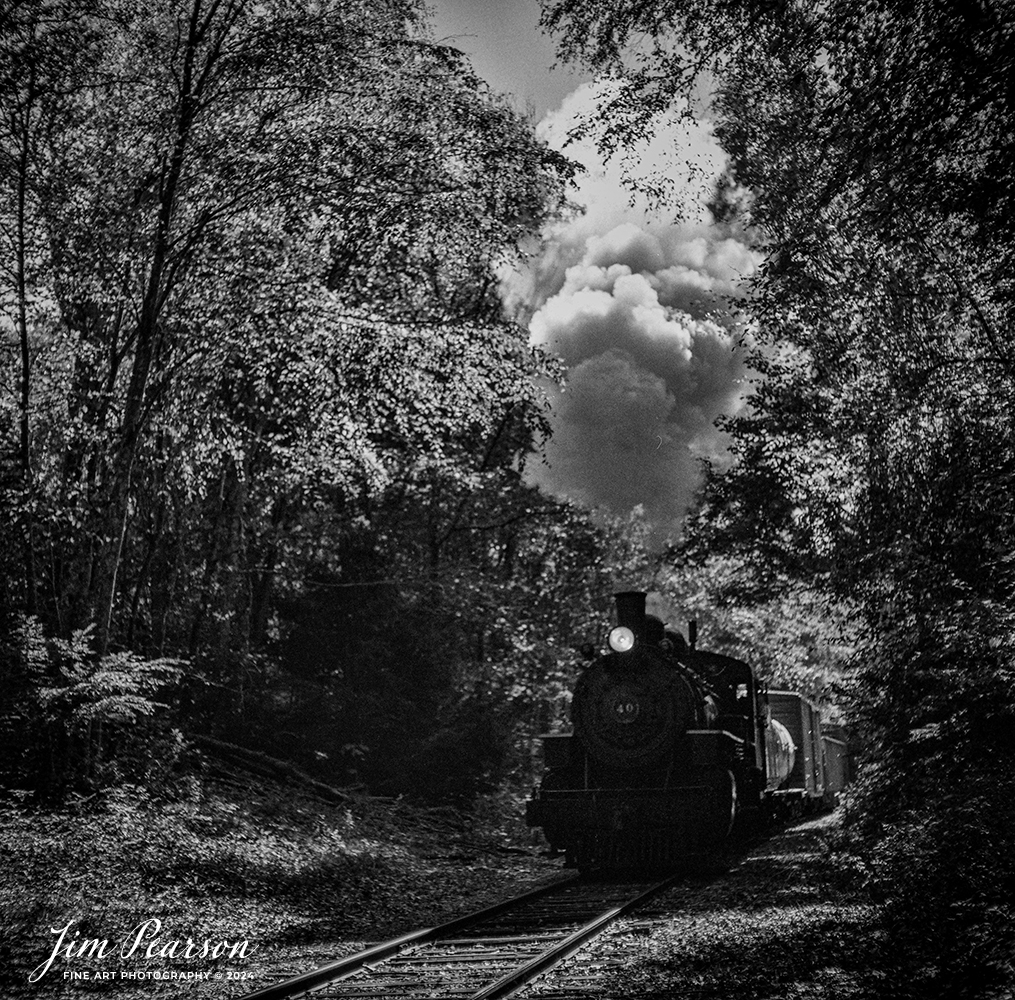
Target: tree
column 46, row 51
column 229, row 233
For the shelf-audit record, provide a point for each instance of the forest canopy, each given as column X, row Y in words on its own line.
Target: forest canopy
column 871, row 154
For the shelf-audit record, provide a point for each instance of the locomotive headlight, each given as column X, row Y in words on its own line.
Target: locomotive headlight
column 621, row 639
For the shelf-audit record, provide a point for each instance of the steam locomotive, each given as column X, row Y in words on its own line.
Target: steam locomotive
column 674, row 750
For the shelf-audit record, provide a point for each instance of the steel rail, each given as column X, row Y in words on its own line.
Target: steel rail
column 342, row 968
column 524, row 974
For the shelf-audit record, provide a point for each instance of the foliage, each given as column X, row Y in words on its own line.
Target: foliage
column 932, row 811
column 427, row 649
column 794, row 636
column 71, row 716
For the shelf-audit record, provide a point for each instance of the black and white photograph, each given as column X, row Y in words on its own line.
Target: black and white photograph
column 507, row 498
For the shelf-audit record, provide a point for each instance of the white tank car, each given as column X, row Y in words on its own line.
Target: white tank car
column 780, row 754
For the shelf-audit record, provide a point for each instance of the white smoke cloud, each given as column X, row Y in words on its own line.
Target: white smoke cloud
column 635, row 307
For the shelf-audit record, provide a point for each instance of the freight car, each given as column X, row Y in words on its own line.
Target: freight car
column 820, row 768
column 673, row 749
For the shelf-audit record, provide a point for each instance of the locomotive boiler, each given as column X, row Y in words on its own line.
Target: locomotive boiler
column 672, row 749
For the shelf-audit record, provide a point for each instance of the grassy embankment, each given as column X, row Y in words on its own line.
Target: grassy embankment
column 299, row 881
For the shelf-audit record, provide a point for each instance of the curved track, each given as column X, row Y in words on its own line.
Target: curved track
column 483, row 956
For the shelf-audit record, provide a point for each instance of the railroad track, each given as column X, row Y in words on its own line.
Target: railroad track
column 486, row 955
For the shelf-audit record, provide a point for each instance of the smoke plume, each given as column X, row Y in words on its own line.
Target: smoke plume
column 635, row 307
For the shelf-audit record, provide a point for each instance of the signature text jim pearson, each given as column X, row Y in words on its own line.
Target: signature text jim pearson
column 144, row 941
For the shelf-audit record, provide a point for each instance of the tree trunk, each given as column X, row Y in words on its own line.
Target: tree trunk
column 25, row 401
column 146, row 337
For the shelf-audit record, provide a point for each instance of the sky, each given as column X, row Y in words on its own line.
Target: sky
column 507, row 49
column 631, row 297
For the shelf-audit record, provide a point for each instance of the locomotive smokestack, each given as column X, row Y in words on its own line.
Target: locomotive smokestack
column 692, row 633
column 631, row 610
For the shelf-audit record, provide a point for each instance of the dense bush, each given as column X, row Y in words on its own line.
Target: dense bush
column 73, row 719
column 933, row 813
